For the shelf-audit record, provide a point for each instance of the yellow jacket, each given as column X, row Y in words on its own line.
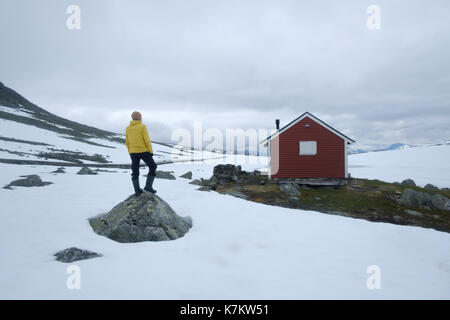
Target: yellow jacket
column 137, row 139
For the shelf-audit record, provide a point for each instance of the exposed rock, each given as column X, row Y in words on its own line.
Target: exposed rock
column 238, row 194
column 165, row 175
column 196, row 182
column 204, row 188
column 226, row 171
column 408, row 182
column 212, row 182
column 290, row 188
column 86, row 171
column 414, row 213
column 75, row 254
column 59, row 170
column 143, row 218
column 29, row 181
column 187, row 175
column 424, row 200
column 440, row 202
column 294, row 201
column 430, row 186
column 262, row 182
column 188, row 219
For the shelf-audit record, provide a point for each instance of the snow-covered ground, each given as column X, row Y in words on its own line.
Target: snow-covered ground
column 236, row 249
column 429, row 164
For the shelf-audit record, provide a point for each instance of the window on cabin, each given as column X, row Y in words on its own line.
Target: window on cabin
column 308, row 148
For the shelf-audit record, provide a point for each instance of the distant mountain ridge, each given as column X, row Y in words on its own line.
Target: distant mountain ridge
column 28, row 113
column 355, row 149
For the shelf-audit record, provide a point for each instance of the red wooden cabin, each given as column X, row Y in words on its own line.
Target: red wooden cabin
column 308, row 148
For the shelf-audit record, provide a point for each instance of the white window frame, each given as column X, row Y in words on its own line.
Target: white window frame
column 310, row 146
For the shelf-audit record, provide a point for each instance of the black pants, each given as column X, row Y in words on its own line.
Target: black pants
column 136, row 160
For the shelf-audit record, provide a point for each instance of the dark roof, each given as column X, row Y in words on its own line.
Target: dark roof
column 313, row 118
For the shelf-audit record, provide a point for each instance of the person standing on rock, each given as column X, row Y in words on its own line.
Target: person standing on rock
column 140, row 147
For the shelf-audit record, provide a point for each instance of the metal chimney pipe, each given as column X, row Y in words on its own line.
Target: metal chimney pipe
column 277, row 123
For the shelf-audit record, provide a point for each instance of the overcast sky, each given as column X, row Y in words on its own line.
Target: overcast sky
column 235, row 64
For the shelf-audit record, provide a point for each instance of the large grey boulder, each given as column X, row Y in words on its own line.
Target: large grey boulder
column 165, row 175
column 226, row 173
column 226, row 170
column 440, row 202
column 431, row 186
column 408, row 182
column 290, row 188
column 32, row 180
column 424, row 200
column 143, row 218
column 75, row 254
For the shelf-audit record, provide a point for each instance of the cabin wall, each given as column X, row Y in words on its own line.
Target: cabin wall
column 329, row 162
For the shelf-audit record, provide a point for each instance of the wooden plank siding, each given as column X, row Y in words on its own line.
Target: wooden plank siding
column 329, row 162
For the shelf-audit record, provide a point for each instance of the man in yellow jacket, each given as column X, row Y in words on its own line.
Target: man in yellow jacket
column 140, row 147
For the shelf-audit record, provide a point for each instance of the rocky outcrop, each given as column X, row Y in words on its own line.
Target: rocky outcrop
column 187, row 175
column 75, row 254
column 430, row 186
column 417, row 199
column 29, row 181
column 86, row 171
column 211, row 183
column 226, row 173
column 408, row 182
column 196, row 182
column 290, row 188
column 143, row 218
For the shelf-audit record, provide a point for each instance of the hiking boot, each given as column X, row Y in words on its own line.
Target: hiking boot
column 137, row 189
column 149, row 184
